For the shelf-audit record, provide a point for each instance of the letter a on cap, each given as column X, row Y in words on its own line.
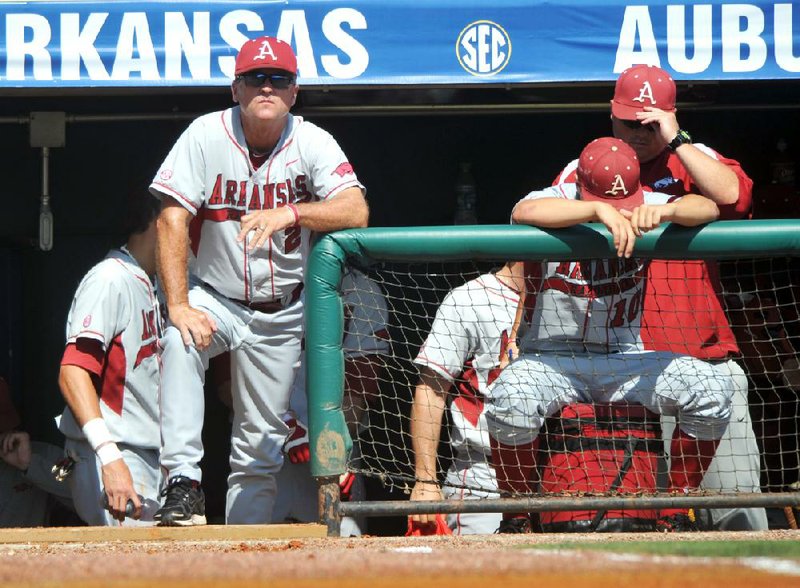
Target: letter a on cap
column 617, row 185
column 264, row 50
column 645, row 93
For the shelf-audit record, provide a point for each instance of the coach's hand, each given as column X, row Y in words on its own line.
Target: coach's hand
column 426, row 491
column 665, row 123
column 196, row 326
column 263, row 223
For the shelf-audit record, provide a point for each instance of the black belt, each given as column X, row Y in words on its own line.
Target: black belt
column 274, row 305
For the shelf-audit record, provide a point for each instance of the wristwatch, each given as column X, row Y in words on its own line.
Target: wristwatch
column 681, row 138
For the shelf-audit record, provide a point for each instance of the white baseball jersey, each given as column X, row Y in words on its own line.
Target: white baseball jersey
column 590, row 305
column 465, row 344
column 116, row 304
column 365, row 330
column 209, row 172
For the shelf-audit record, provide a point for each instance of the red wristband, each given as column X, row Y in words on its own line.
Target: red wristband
column 296, row 214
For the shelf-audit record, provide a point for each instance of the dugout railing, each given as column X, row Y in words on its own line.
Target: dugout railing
column 329, row 438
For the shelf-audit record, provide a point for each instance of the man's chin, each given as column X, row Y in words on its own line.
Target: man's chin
column 645, row 153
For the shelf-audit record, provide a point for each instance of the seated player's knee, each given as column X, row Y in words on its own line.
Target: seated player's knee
column 513, row 416
column 705, row 411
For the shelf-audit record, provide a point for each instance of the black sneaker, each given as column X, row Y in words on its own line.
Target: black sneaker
column 515, row 525
column 676, row 523
column 185, row 504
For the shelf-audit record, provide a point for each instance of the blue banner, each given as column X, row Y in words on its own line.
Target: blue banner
column 395, row 42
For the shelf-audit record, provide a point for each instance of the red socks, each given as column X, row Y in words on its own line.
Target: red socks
column 689, row 460
column 516, row 469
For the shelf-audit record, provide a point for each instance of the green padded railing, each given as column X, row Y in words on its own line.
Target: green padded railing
column 330, row 442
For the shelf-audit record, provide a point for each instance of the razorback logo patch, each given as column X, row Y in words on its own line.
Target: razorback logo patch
column 343, row 169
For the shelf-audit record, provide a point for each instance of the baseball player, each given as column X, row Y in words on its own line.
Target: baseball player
column 109, row 378
column 460, row 358
column 584, row 343
column 682, row 308
column 262, row 181
column 365, row 340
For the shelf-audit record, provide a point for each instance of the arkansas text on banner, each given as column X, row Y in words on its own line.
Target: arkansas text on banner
column 395, row 42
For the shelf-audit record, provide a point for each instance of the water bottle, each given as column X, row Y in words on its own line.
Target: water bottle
column 466, row 197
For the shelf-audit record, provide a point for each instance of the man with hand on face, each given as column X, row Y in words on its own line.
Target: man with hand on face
column 583, row 342
column 682, row 305
column 261, row 180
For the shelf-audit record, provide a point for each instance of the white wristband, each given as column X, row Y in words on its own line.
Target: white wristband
column 96, row 433
column 108, row 453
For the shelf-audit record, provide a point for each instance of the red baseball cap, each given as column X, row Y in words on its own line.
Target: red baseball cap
column 266, row 53
column 640, row 86
column 608, row 170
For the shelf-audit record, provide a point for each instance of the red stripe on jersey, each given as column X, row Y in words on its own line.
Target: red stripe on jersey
column 145, row 351
column 469, row 399
column 231, row 137
column 423, row 360
column 220, row 215
column 195, row 229
column 176, row 196
column 533, row 285
column 112, row 391
column 86, row 354
column 341, row 187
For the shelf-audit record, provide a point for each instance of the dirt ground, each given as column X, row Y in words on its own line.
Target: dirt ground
column 370, row 562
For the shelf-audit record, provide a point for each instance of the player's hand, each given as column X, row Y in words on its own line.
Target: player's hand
column 509, row 354
column 262, row 223
column 647, row 217
column 196, row 326
column 119, row 490
column 426, row 491
column 619, row 227
column 15, row 449
column 665, row 123
column 296, row 447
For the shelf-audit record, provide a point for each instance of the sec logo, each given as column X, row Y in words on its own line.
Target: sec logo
column 483, row 48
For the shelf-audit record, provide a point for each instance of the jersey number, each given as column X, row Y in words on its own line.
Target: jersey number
column 292, row 240
column 633, row 307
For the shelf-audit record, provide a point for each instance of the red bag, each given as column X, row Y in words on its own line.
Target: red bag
column 601, row 449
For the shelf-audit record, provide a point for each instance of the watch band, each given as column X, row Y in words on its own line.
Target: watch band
column 680, row 139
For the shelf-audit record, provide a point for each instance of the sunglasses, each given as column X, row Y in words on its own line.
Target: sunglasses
column 635, row 124
column 258, row 79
